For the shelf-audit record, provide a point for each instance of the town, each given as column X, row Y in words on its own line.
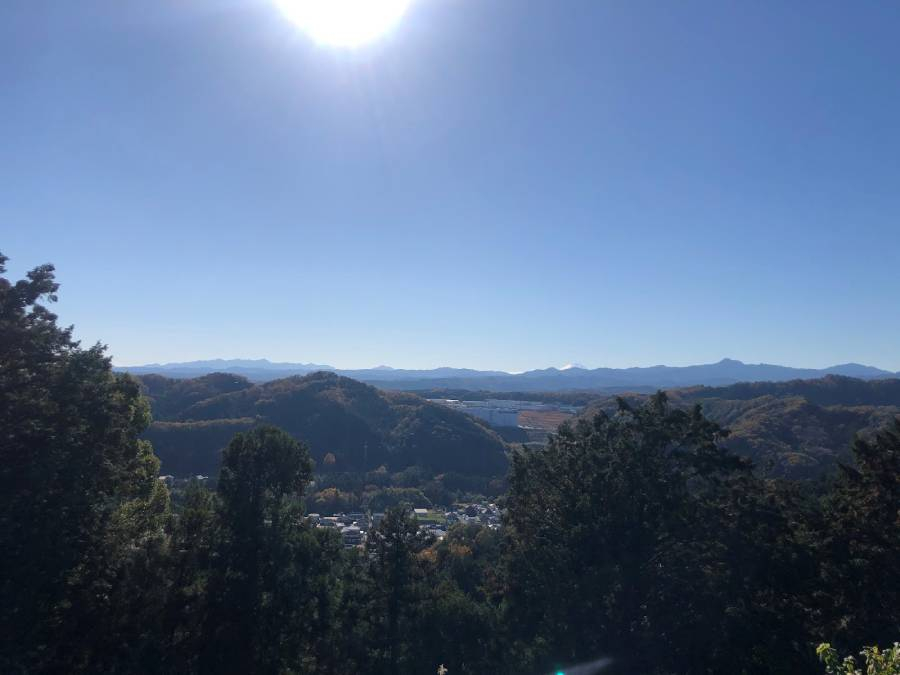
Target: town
column 354, row 527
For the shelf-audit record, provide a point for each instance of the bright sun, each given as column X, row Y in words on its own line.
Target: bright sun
column 344, row 23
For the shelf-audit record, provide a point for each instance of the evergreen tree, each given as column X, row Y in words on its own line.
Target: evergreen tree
column 394, row 569
column 859, row 548
column 189, row 565
column 81, row 510
column 634, row 536
column 265, row 587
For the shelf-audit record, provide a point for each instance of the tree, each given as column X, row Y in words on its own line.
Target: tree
column 859, row 547
column 394, row 570
column 269, row 564
column 189, row 565
column 456, row 617
column 81, row 511
column 638, row 536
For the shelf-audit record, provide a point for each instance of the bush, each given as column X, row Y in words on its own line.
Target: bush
column 877, row 661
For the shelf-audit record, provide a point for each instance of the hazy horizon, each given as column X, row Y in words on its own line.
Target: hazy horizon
column 297, row 362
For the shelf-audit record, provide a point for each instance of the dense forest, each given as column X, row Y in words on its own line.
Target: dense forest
column 358, row 427
column 634, row 542
column 802, row 429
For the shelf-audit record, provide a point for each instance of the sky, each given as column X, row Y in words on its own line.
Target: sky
column 493, row 184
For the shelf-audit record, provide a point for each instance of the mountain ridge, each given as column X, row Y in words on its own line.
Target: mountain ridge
column 568, row 378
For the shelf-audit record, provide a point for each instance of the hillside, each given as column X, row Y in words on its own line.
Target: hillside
column 169, row 397
column 829, row 390
column 795, row 429
column 359, row 426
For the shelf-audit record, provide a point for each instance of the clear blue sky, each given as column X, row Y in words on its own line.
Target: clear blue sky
column 496, row 184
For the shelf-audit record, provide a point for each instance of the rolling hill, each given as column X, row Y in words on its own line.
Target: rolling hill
column 797, row 429
column 358, row 426
column 794, row 429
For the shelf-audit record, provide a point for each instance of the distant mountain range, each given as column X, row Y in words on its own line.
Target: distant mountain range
column 568, row 378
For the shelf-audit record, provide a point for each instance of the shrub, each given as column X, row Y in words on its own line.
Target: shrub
column 877, row 661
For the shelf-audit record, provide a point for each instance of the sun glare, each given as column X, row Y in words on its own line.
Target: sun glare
column 344, row 23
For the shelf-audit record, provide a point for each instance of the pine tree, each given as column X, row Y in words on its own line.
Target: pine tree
column 860, row 546
column 82, row 514
column 255, row 593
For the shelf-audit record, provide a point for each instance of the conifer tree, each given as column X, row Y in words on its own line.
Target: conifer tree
column 82, row 513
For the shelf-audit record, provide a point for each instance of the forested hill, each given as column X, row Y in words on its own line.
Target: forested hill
column 829, row 390
column 349, row 426
column 795, row 429
column 170, row 398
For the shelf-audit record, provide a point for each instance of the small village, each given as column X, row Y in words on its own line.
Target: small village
column 355, row 526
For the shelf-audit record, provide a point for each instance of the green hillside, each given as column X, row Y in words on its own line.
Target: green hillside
column 797, row 429
column 194, row 448
column 357, row 426
column 829, row 390
column 170, row 397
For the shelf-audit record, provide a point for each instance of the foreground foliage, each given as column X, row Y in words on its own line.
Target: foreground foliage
column 875, row 661
column 82, row 514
